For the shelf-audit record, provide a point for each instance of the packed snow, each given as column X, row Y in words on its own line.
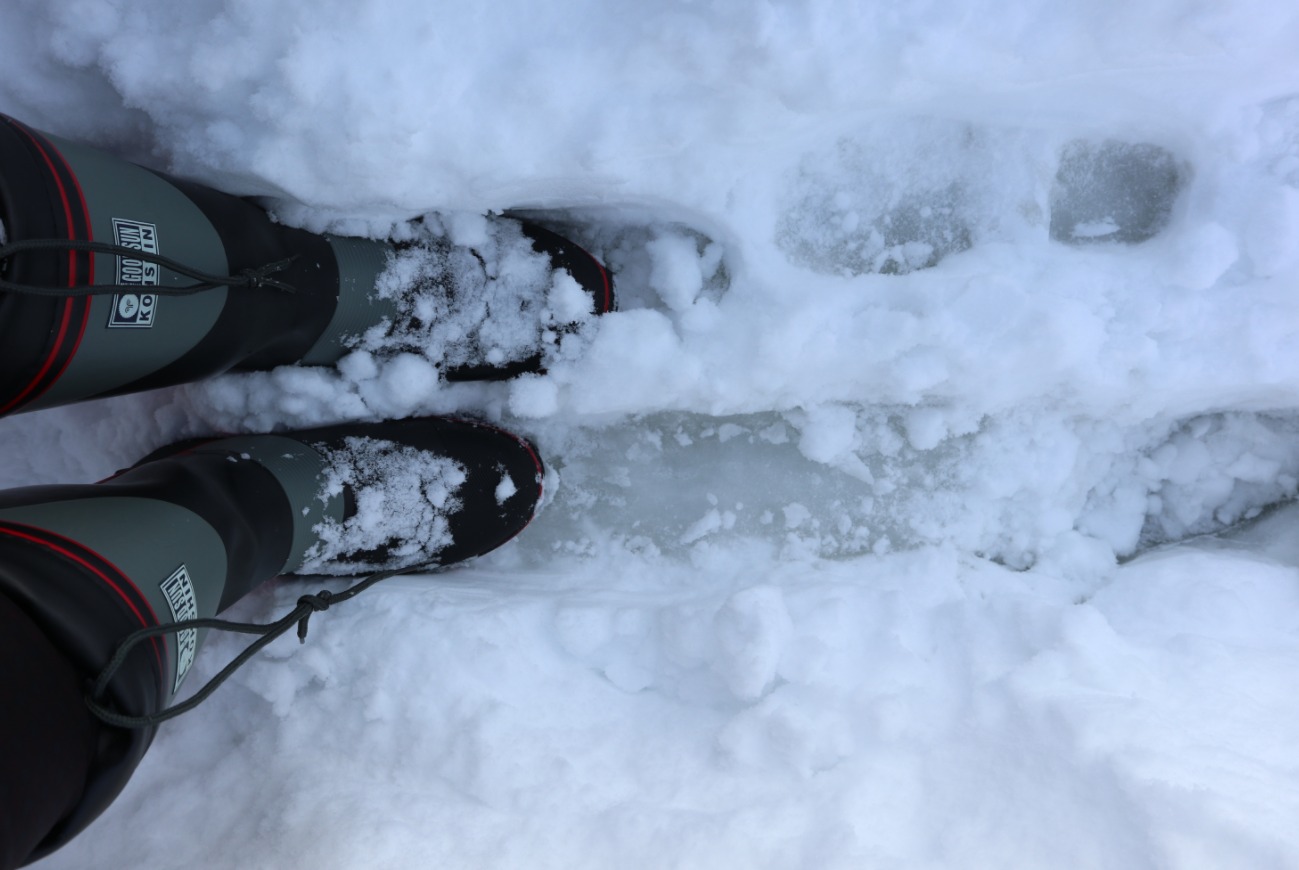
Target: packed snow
column 925, row 504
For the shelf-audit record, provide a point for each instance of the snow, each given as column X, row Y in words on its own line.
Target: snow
column 403, row 499
column 445, row 285
column 878, row 529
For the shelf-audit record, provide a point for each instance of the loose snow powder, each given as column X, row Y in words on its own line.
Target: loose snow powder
column 403, row 498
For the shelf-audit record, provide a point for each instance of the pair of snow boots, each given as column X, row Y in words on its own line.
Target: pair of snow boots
column 115, row 279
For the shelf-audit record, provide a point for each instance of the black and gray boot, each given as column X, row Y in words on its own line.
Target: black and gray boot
column 94, row 249
column 195, row 526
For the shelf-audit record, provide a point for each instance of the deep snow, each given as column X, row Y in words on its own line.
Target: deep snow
column 839, row 571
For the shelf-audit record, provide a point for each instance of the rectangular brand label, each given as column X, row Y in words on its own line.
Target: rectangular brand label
column 178, row 589
column 135, row 310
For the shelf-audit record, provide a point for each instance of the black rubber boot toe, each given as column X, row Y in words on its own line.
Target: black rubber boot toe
column 430, row 491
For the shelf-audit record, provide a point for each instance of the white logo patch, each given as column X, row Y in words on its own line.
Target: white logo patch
column 135, row 310
column 178, row 589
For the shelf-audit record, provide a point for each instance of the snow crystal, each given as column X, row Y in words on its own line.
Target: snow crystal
column 403, row 498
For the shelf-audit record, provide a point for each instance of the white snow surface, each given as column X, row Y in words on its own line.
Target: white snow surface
column 837, row 570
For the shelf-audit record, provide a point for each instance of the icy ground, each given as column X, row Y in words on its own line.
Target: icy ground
column 942, row 324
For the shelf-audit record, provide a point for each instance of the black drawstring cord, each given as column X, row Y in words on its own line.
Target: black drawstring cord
column 307, row 605
column 249, row 278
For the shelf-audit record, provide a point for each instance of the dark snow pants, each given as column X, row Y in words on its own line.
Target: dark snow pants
column 47, row 736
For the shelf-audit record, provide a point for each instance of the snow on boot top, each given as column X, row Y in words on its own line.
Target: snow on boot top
column 365, row 497
column 433, row 491
column 116, row 279
column 430, row 491
column 486, row 298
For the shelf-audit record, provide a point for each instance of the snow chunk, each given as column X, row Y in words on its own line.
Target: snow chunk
column 402, row 383
column 675, row 271
column 829, row 433
column 753, row 630
column 569, row 302
column 710, row 522
column 505, row 489
column 534, row 397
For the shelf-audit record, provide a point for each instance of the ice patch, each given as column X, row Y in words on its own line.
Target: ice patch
column 828, row 433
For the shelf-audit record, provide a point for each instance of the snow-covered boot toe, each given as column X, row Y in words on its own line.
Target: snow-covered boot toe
column 431, row 491
column 363, row 497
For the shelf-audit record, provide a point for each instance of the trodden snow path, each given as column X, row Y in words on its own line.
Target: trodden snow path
column 940, row 325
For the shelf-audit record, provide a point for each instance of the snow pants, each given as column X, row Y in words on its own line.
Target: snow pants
column 48, row 736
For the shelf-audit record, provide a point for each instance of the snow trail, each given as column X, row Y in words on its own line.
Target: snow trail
column 939, row 326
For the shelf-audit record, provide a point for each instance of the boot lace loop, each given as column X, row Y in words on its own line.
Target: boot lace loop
column 253, row 278
column 267, row 633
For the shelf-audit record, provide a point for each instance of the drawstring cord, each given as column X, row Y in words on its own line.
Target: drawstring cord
column 248, row 278
column 299, row 616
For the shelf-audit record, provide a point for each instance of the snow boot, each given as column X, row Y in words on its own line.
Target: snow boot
column 116, row 279
column 195, row 526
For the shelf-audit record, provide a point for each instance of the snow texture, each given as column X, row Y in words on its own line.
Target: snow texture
column 403, row 498
column 946, row 333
